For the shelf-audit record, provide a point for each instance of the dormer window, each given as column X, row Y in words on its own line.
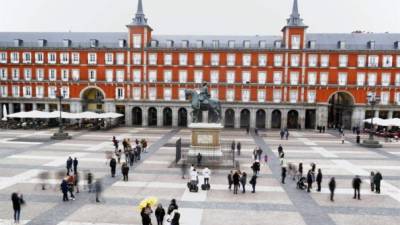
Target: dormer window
column 278, row 44
column 154, row 44
column 94, row 43
column 121, row 43
column 170, row 44
column 185, row 44
column 262, row 44
column 246, row 44
column 199, row 44
column 371, row 44
column 231, row 44
column 397, row 45
column 66, row 43
column 137, row 41
column 341, row 45
column 295, row 41
column 42, row 43
column 215, row 44
column 18, row 43
column 311, row 44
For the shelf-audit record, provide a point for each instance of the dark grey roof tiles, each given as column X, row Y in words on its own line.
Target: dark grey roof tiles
column 354, row 41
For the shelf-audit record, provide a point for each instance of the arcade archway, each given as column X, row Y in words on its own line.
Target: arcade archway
column 340, row 110
column 260, row 119
column 293, row 119
column 182, row 117
column 92, row 99
column 137, row 116
column 245, row 118
column 152, row 117
column 229, row 118
column 167, row 117
column 276, row 117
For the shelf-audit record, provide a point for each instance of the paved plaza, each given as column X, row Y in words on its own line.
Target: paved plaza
column 25, row 154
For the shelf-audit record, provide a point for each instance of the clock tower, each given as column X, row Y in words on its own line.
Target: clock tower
column 295, row 30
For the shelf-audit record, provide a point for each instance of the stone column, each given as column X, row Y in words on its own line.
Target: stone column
column 302, row 118
column 190, row 116
column 34, row 106
column 376, row 113
column 10, row 108
column 268, row 117
column 253, row 118
column 390, row 115
column 358, row 116
column 76, row 107
column 22, row 107
column 205, row 116
column 237, row 118
column 160, row 117
column 175, row 117
column 128, row 115
column 284, row 118
column 46, row 107
column 145, row 116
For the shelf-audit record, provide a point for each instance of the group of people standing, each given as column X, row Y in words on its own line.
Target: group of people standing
column 173, row 214
column 284, row 133
column 238, row 178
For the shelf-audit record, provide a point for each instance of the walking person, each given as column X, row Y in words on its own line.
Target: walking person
column 118, row 155
column 332, row 187
column 183, row 169
column 266, row 159
column 145, row 213
column 115, row 143
column 17, row 201
column 76, row 182
column 342, row 138
column 243, row 181
column 90, row 181
column 372, row 181
column 238, row 147
column 319, row 180
column 230, row 180
column 233, row 146
column 99, row 189
column 174, row 217
column 356, row 186
column 113, row 165
column 69, row 165
column 259, row 153
column 199, row 159
column 253, row 182
column 282, row 134
column 300, row 170
column 71, row 182
column 64, row 190
column 256, row 167
column 206, row 175
column 125, row 171
column 283, row 174
column 160, row 214
column 377, row 181
column 287, row 134
column 280, row 151
column 75, row 163
column 309, row 181
column 236, row 180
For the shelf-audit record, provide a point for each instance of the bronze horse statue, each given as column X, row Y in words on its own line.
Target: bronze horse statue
column 213, row 107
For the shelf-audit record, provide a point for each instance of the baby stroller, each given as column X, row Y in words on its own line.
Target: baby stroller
column 301, row 183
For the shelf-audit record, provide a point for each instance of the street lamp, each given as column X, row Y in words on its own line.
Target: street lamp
column 60, row 135
column 372, row 100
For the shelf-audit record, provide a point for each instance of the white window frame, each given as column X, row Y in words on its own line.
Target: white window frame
column 386, row 79
column 312, row 60
column 15, row 74
column 373, row 61
column 277, row 96
column 278, row 60
column 3, row 91
column 183, row 59
column 39, row 57
column 325, row 61
column 246, row 60
column 198, row 76
column 294, row 78
column 119, row 93
column 137, row 93
column 198, row 59
column 52, row 74
column 167, row 76
column 397, row 98
column 361, row 79
column 183, row 75
column 312, row 78
column 398, row 61
column 15, row 57
column 16, row 92
column 245, row 95
column 152, row 94
column 182, row 96
column 361, row 61
column 39, row 74
column 153, row 59
column 215, row 59
column 294, row 60
column 109, row 75
column 39, row 92
column 295, row 41
column 65, row 92
column 168, row 59
column 120, row 58
column 64, row 74
column 372, row 79
column 109, row 58
column 230, row 77
column 342, row 79
column 64, row 58
column 27, row 74
column 92, row 75
column 27, row 58
column 214, row 76
column 311, row 96
column 262, row 77
column 52, row 58
column 293, row 96
column 385, row 98
column 120, row 76
column 230, row 95
column 387, row 61
column 137, row 41
column 3, row 74
column 343, row 60
column 27, row 91
column 92, row 58
column 152, row 76
column 324, row 78
column 76, row 74
column 277, row 76
column 75, row 58
column 261, row 93
column 231, row 60
column 262, row 60
column 246, row 77
column 214, row 93
column 137, row 75
column 137, row 58
column 52, row 92
column 167, row 94
column 3, row 57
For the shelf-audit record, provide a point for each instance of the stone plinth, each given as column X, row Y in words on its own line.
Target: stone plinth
column 206, row 140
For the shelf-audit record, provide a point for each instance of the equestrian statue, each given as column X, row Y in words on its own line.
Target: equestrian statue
column 203, row 102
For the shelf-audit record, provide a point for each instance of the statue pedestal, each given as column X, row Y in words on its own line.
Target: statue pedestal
column 206, row 141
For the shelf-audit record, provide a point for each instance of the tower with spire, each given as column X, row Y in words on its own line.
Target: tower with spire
column 295, row 30
column 139, row 30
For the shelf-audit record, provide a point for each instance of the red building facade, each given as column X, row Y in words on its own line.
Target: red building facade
column 297, row 80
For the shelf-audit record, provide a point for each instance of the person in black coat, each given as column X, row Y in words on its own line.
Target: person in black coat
column 236, row 180
column 113, row 165
column 377, row 181
column 64, row 189
column 17, row 201
column 125, row 171
column 253, row 182
column 283, row 174
column 357, row 186
column 230, row 180
column 146, row 220
column 332, row 187
column 172, row 206
column 300, row 170
column 160, row 214
column 69, row 165
column 243, row 181
column 238, row 147
column 309, row 181
column 75, row 162
column 319, row 180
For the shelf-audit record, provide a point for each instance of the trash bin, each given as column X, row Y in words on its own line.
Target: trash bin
column 358, row 139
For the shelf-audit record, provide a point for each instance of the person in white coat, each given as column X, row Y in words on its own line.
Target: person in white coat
column 206, row 174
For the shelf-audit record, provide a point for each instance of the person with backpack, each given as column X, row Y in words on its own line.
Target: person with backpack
column 253, row 182
column 17, row 201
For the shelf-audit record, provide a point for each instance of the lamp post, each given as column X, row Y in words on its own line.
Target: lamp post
column 60, row 135
column 372, row 100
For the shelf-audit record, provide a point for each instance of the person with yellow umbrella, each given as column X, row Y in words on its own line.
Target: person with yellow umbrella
column 146, row 210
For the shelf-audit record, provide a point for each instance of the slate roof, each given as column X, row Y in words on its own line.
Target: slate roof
column 323, row 41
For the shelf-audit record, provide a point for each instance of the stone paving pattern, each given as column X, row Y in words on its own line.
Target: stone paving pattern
column 24, row 154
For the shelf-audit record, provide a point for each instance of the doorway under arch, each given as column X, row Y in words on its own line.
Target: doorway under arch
column 229, row 118
column 260, row 119
column 245, row 118
column 152, row 117
column 340, row 110
column 93, row 100
column 167, row 117
column 293, row 119
column 276, row 118
column 182, row 117
column 137, row 117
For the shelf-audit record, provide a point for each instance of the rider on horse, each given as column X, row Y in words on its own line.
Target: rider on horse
column 204, row 95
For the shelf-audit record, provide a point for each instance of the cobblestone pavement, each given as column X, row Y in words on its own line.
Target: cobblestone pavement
column 25, row 154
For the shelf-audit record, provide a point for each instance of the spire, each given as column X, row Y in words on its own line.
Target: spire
column 140, row 19
column 295, row 19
